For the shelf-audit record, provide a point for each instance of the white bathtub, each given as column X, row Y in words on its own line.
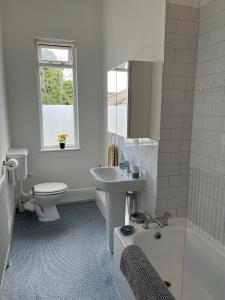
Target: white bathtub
column 204, row 267
column 165, row 254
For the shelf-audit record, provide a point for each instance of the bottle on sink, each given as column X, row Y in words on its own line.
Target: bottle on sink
column 135, row 172
column 122, row 161
column 127, row 168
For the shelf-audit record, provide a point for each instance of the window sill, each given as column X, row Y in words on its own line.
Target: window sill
column 60, row 150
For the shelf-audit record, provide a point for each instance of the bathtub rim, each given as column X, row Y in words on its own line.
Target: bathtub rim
column 129, row 240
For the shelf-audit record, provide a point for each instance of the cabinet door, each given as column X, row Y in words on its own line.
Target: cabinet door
column 134, row 99
column 122, row 99
column 111, row 101
column 140, row 74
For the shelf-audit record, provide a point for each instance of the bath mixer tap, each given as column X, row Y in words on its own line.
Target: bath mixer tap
column 161, row 221
column 150, row 220
column 165, row 218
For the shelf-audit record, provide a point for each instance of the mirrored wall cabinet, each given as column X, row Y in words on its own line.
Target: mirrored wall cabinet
column 134, row 91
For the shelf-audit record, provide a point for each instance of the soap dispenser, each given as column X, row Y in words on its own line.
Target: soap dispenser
column 135, row 172
column 122, row 161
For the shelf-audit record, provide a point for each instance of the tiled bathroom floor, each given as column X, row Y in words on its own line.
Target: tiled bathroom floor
column 65, row 260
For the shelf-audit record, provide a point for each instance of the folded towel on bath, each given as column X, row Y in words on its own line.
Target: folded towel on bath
column 143, row 279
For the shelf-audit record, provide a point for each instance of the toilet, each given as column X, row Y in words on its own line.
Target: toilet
column 46, row 196
column 43, row 197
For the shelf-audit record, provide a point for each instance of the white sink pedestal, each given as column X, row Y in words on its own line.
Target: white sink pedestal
column 115, row 215
column 115, row 183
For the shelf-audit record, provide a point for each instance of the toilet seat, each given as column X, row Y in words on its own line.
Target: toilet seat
column 50, row 188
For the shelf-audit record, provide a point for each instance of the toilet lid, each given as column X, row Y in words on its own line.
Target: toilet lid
column 50, row 188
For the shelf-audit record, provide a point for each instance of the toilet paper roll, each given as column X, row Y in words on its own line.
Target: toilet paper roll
column 11, row 164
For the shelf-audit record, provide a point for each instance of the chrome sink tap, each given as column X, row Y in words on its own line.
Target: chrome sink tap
column 148, row 220
column 162, row 221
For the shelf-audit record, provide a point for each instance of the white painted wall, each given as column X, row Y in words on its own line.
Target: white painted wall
column 4, row 129
column 78, row 20
column 136, row 32
column 6, row 191
column 132, row 31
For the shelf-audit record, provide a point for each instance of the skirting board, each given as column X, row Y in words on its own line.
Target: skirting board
column 78, row 195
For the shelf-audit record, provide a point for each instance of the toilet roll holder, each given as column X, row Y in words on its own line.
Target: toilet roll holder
column 11, row 165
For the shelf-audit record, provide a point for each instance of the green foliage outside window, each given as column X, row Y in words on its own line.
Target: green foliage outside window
column 55, row 87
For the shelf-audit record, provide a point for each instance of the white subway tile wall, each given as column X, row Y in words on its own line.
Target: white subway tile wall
column 192, row 123
column 143, row 153
column 206, row 207
column 182, row 27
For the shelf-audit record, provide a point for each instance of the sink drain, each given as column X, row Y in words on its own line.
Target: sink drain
column 168, row 284
column 158, row 235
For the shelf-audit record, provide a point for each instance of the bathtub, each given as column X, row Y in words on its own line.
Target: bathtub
column 166, row 254
column 204, row 267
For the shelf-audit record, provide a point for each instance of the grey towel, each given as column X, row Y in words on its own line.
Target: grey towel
column 143, row 279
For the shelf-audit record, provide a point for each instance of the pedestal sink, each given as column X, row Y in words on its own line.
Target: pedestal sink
column 115, row 184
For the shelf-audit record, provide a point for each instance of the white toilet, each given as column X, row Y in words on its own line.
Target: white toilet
column 44, row 196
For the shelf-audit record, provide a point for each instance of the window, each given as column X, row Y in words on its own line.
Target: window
column 56, row 62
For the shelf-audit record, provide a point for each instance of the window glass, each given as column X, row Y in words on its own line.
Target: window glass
column 51, row 54
column 58, row 96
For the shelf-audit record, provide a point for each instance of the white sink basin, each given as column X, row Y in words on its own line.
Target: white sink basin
column 114, row 180
column 115, row 184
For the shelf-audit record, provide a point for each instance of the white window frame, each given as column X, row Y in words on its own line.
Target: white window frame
column 71, row 64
